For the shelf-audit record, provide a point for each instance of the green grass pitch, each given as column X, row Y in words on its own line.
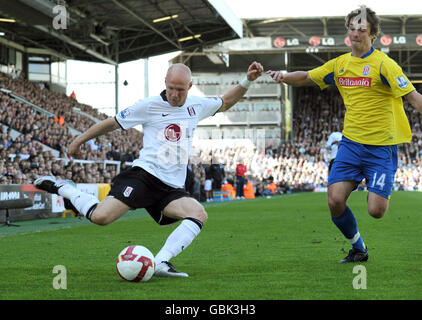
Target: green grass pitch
column 281, row 248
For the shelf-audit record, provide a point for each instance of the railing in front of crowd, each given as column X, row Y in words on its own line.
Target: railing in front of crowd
column 103, row 162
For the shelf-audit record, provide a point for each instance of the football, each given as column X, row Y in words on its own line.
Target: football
column 135, row 263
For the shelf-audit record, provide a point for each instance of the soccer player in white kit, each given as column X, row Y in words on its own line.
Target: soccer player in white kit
column 332, row 145
column 156, row 180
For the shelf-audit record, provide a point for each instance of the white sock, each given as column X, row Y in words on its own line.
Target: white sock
column 82, row 201
column 178, row 240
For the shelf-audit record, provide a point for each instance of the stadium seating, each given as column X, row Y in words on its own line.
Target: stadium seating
column 33, row 144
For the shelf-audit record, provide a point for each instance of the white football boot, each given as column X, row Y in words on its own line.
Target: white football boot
column 166, row 270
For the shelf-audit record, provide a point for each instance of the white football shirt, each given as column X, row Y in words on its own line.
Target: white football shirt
column 334, row 137
column 168, row 133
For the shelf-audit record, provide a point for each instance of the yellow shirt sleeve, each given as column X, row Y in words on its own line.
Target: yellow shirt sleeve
column 397, row 80
column 323, row 76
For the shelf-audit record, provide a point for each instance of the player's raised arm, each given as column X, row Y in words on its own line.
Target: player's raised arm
column 255, row 70
column 97, row 130
column 296, row 79
column 415, row 99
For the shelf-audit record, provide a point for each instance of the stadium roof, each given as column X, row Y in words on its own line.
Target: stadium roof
column 115, row 31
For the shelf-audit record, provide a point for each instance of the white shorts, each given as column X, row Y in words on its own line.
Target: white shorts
column 208, row 185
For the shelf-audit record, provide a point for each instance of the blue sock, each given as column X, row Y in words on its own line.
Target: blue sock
column 348, row 226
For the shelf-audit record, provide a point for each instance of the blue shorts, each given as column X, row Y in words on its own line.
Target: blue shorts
column 355, row 161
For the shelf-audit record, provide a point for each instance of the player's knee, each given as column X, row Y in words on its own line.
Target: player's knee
column 377, row 207
column 100, row 219
column 335, row 203
column 200, row 214
column 377, row 212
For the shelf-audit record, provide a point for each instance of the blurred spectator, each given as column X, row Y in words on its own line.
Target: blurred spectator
column 197, row 186
column 248, row 190
column 270, row 188
column 208, row 182
column 59, row 119
column 73, row 95
column 228, row 190
column 240, row 179
column 217, row 174
column 190, row 176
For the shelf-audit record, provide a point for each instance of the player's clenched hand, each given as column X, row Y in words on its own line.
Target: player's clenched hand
column 255, row 70
column 73, row 149
column 277, row 76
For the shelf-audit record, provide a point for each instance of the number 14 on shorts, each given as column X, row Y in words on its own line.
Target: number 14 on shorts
column 378, row 181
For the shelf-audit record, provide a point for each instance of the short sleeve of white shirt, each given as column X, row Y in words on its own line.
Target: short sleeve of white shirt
column 134, row 115
column 210, row 106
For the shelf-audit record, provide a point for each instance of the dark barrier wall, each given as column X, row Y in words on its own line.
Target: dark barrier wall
column 40, row 209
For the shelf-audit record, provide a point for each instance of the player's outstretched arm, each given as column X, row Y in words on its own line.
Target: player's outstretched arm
column 415, row 99
column 255, row 70
column 296, row 79
column 97, row 130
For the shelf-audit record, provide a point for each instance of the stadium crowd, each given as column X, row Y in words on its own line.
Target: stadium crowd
column 283, row 166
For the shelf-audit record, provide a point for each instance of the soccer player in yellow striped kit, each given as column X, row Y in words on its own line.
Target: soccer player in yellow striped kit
column 372, row 86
